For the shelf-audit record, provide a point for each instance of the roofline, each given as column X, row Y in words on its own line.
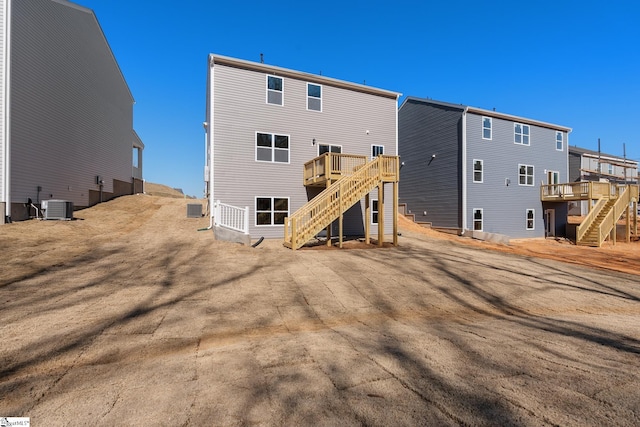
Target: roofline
column 592, row 153
column 312, row 78
column 489, row 113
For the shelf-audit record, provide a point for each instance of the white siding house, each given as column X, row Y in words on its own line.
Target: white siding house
column 264, row 122
column 66, row 112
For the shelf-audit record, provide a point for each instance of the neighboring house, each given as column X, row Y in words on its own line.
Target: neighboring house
column 588, row 166
column 479, row 172
column 66, row 112
column 264, row 123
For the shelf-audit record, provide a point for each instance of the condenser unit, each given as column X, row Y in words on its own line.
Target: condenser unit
column 57, row 209
column 194, row 210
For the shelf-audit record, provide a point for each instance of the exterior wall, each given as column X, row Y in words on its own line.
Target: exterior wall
column 427, row 184
column 575, row 164
column 71, row 116
column 354, row 120
column 505, row 206
column 3, row 90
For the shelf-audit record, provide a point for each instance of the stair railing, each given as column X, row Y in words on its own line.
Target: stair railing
column 584, row 227
column 611, row 219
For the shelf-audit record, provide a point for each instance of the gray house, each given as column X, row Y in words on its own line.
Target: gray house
column 277, row 138
column 478, row 172
column 589, row 166
column 66, row 112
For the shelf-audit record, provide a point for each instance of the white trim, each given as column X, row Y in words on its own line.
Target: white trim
column 522, row 134
column 561, row 141
column 376, row 145
column 273, row 90
column 273, row 147
column 328, row 145
column 313, row 97
column 490, row 128
column 374, row 211
column 533, row 219
column 464, row 224
column 473, row 167
column 473, row 215
column 533, row 175
column 255, row 208
column 7, row 109
column 210, row 138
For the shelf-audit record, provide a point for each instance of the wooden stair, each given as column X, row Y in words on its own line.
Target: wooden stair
column 604, row 216
column 335, row 200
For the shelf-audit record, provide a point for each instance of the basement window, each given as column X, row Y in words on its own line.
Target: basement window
column 271, row 210
column 531, row 218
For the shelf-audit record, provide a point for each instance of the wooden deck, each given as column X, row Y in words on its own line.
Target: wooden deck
column 329, row 167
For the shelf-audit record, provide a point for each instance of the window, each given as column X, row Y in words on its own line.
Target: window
column 275, row 90
column 374, row 212
column 531, row 219
column 377, row 150
column 520, row 134
column 326, row 148
column 486, row 128
column 477, row 171
column 271, row 210
column 610, row 169
column 477, row 220
column 525, row 175
column 314, row 97
column 559, row 141
column 272, row 148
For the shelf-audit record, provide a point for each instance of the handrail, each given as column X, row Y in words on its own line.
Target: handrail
column 330, row 165
column 326, row 207
column 577, row 190
column 611, row 219
column 231, row 217
column 582, row 229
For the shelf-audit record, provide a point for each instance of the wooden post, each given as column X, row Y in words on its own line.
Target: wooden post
column 329, row 226
column 395, row 213
column 341, row 217
column 628, row 224
column 294, row 234
column 367, row 219
column 381, row 213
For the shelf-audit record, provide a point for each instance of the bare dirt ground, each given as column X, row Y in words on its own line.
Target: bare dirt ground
column 129, row 315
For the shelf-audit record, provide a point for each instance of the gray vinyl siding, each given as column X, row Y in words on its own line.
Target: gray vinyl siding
column 240, row 110
column 575, row 164
column 71, row 116
column 427, row 184
column 504, row 206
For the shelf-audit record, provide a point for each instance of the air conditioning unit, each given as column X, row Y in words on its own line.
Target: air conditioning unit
column 58, row 209
column 194, row 210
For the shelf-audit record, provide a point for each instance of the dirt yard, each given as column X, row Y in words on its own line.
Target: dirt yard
column 129, row 315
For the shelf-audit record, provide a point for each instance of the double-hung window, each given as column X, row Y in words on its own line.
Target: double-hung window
column 327, row 148
column 486, row 128
column 477, row 219
column 521, row 134
column 271, row 210
column 314, row 97
column 272, row 148
column 559, row 141
column 525, row 175
column 531, row 219
column 478, row 170
column 374, row 211
column 275, row 90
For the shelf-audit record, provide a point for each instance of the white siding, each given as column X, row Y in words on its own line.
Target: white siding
column 240, row 110
column 71, row 116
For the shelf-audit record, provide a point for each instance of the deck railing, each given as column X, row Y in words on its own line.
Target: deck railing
column 326, row 207
column 231, row 217
column 577, row 191
column 331, row 166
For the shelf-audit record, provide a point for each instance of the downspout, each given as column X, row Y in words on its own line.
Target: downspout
column 464, row 171
column 7, row 111
column 210, row 140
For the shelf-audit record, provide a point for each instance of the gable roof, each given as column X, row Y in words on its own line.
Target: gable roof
column 299, row 75
column 489, row 113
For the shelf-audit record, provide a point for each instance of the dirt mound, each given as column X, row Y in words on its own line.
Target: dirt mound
column 162, row 190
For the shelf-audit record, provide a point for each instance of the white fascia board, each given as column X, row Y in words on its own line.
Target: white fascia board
column 518, row 119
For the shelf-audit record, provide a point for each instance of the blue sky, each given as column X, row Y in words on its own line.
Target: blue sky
column 572, row 63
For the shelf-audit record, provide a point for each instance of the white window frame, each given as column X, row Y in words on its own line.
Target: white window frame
column 272, row 211
column 559, row 141
column 533, row 219
column 330, row 148
column 375, row 211
column 473, row 218
column 610, row 168
column 314, row 97
column 522, row 134
column 526, row 175
column 274, row 90
column 490, row 128
column 373, row 147
column 273, row 147
column 473, row 166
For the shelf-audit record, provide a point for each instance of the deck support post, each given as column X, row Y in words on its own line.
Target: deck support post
column 381, row 213
column 395, row 213
column 367, row 219
column 328, row 226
